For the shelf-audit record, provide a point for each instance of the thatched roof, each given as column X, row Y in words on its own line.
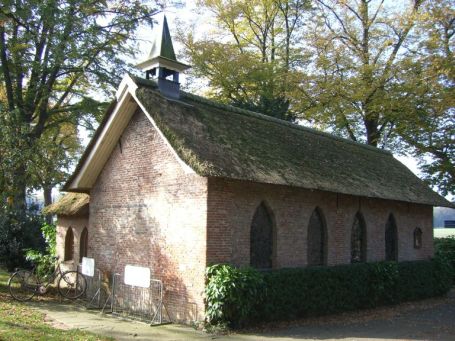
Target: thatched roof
column 217, row 140
column 69, row 204
column 223, row 141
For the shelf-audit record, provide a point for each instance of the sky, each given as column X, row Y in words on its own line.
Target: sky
column 188, row 15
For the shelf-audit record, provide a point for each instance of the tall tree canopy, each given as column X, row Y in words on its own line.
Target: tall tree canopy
column 375, row 71
column 427, row 94
column 356, row 48
column 248, row 57
column 383, row 73
column 54, row 54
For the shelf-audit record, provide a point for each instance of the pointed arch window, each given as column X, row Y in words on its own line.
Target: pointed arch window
column 417, row 238
column 391, row 239
column 358, row 239
column 317, row 239
column 261, row 238
column 83, row 247
column 69, row 245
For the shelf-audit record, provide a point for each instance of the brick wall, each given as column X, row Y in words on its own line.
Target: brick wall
column 146, row 211
column 77, row 223
column 232, row 204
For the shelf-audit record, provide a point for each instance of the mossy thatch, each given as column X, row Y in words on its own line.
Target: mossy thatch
column 218, row 140
column 223, row 141
column 69, row 204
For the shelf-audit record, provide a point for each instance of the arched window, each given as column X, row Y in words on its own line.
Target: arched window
column 83, row 244
column 358, row 240
column 69, row 245
column 391, row 239
column 417, row 238
column 261, row 239
column 317, row 239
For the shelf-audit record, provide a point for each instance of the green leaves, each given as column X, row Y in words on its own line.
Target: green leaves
column 426, row 95
column 247, row 59
column 231, row 294
column 19, row 230
column 445, row 250
column 302, row 292
column 370, row 71
column 53, row 54
column 45, row 261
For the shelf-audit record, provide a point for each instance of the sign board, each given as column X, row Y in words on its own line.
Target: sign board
column 137, row 276
column 88, row 266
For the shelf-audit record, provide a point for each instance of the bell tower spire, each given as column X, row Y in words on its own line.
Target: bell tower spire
column 161, row 63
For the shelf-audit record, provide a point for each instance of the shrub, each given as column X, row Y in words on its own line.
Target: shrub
column 45, row 261
column 232, row 294
column 19, row 230
column 313, row 291
column 301, row 292
column 423, row 279
column 445, row 249
column 382, row 281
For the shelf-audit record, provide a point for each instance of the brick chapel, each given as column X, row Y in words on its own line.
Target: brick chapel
column 176, row 182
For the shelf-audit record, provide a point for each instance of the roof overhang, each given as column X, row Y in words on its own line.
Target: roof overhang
column 106, row 138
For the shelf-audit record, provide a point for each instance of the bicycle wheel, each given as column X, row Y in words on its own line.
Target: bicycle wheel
column 72, row 284
column 23, row 285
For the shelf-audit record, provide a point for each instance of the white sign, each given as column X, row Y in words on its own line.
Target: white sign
column 137, row 276
column 88, row 266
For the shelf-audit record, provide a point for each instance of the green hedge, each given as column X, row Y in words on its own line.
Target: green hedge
column 445, row 248
column 302, row 292
column 295, row 293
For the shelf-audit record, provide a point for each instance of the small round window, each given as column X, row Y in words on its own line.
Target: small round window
column 417, row 238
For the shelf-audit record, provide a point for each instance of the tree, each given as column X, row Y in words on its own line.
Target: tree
column 375, row 71
column 356, row 48
column 59, row 148
column 427, row 95
column 53, row 53
column 247, row 61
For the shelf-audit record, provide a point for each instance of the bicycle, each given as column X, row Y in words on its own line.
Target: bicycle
column 24, row 284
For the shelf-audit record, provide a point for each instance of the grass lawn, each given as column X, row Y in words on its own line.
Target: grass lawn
column 20, row 322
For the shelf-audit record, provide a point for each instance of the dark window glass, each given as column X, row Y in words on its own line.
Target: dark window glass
column 316, row 239
column 358, row 240
column 261, row 239
column 69, row 245
column 84, row 244
column 417, row 238
column 391, row 240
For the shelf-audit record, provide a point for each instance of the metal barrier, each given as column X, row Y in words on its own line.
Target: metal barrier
column 93, row 294
column 144, row 304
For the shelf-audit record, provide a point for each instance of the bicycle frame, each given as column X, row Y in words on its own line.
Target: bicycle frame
column 52, row 277
column 24, row 284
column 44, row 282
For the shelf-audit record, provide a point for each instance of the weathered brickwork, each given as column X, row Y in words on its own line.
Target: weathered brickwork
column 232, row 204
column 77, row 223
column 146, row 211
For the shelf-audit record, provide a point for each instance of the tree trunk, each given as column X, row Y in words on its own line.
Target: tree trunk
column 20, row 188
column 371, row 126
column 47, row 189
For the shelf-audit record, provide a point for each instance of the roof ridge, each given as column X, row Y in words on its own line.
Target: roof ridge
column 258, row 115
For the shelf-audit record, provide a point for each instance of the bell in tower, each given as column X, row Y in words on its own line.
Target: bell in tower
column 161, row 63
